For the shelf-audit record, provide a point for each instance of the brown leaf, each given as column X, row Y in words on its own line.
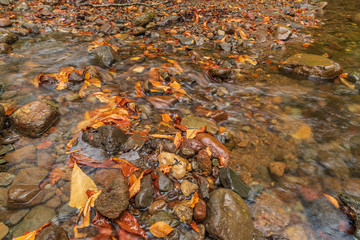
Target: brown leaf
column 55, row 175
column 129, row 223
column 160, row 229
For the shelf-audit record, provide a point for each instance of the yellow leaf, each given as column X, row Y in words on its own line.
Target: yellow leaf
column 160, row 229
column 162, row 136
column 31, row 235
column 80, row 184
column 96, row 82
column 135, row 188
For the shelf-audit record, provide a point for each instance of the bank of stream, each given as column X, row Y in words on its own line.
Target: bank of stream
column 289, row 138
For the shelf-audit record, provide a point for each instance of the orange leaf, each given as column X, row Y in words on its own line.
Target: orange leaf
column 194, row 200
column 194, row 226
column 162, row 136
column 165, row 169
column 129, row 223
column 223, row 161
column 135, row 188
column 160, row 229
column 332, row 200
column 166, row 118
column 178, row 139
column 31, row 235
column 44, row 145
column 222, row 130
column 55, row 175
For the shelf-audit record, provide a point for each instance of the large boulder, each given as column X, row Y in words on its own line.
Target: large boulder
column 228, row 217
column 114, row 199
column 313, row 66
column 34, row 118
column 8, row 37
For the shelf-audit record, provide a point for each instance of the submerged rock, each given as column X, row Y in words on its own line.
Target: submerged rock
column 52, row 232
column 105, row 56
column 217, row 148
column 109, row 138
column 191, row 121
column 114, row 199
column 312, row 66
column 144, row 197
column 164, row 216
column 8, row 37
column 34, row 118
column 230, row 179
column 5, row 48
column 179, row 164
column 22, row 196
column 282, row 32
column 228, row 217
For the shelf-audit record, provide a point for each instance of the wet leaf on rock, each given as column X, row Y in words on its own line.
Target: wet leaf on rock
column 31, row 235
column 135, row 188
column 129, row 223
column 80, row 184
column 160, row 229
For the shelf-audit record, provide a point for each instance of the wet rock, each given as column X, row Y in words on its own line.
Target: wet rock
column 200, row 211
column 21, row 154
column 114, row 199
column 312, row 66
column 164, row 216
column 4, row 149
column 144, row 197
column 162, row 102
column 179, row 164
column 333, row 162
column 143, row 19
column 192, row 144
column 217, row 148
column 220, row 72
column 229, row 28
column 31, row 176
column 52, row 232
column 230, row 179
column 194, row 122
column 4, row 22
column 188, row 188
column 54, row 202
column 157, row 206
column 2, row 112
column 5, row 48
column 170, row 147
column 277, row 168
column 22, row 196
column 8, row 37
column 228, row 217
column 109, row 138
column 21, row 7
column 45, row 160
column 169, row 20
column 104, row 177
column 17, row 216
column 165, row 183
column 91, row 72
column 3, row 230
column 183, row 211
column 186, row 40
column 135, row 142
column 226, row 47
column 105, row 56
column 139, row 31
column 51, row 2
column 203, row 159
column 282, row 32
column 6, row 179
column 4, row 2
column 3, row 196
column 37, row 217
column 34, row 118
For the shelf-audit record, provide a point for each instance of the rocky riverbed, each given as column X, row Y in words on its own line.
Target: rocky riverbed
column 178, row 120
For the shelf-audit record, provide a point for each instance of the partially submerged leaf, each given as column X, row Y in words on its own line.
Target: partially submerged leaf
column 135, row 188
column 129, row 223
column 31, row 235
column 80, row 184
column 55, row 175
column 160, row 229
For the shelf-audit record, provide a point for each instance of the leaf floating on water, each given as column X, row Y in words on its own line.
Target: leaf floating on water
column 129, row 223
column 80, row 184
column 160, row 229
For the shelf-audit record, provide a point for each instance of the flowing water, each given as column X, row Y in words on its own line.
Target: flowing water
column 307, row 124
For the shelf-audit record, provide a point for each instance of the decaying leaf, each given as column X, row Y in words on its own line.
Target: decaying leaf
column 55, row 175
column 80, row 184
column 129, row 223
column 160, row 229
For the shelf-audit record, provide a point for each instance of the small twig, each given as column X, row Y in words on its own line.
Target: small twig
column 124, row 4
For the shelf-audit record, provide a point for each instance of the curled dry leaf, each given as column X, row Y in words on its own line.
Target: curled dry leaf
column 160, row 229
column 129, row 223
column 79, row 185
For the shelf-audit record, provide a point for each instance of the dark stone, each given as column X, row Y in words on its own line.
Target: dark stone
column 203, row 159
column 143, row 19
column 170, row 147
column 200, row 211
column 8, row 37
column 2, row 114
column 165, row 183
column 52, row 232
column 34, row 118
column 312, row 66
column 164, row 216
column 22, row 196
column 144, row 197
column 135, row 142
column 137, row 31
column 230, row 179
column 105, row 56
column 75, row 77
column 114, row 199
column 169, row 20
column 32, row 28
column 228, row 217
column 220, row 72
column 109, row 138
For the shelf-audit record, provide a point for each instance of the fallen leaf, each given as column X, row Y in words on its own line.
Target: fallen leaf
column 194, row 226
column 166, row 118
column 178, row 139
column 79, row 185
column 129, row 223
column 135, row 188
column 31, row 235
column 55, row 175
column 162, row 136
column 332, row 200
column 194, row 200
column 160, row 229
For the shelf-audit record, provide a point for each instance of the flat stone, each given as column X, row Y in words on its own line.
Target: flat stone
column 3, row 197
column 6, row 179
column 37, row 217
column 230, row 179
column 21, row 196
column 18, row 216
column 4, row 22
column 282, row 32
column 311, row 65
column 21, row 154
column 194, row 122
column 188, row 188
column 3, row 230
column 31, row 176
